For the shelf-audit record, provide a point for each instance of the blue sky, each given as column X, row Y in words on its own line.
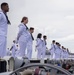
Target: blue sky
column 55, row 18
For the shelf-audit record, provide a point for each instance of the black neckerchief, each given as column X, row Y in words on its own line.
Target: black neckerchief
column 8, row 21
column 45, row 42
column 26, row 27
column 32, row 36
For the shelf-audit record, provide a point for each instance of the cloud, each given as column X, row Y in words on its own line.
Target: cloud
column 67, row 38
column 71, row 17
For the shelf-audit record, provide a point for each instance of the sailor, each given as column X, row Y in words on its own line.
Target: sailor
column 30, row 43
column 17, row 47
column 39, row 45
column 13, row 49
column 4, row 21
column 52, row 49
column 22, row 36
column 62, row 53
column 57, row 51
column 66, row 54
column 17, row 50
column 44, row 43
column 8, row 52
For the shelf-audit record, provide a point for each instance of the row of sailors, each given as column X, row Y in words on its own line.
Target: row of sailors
column 40, row 47
column 25, row 41
column 58, row 52
column 24, row 37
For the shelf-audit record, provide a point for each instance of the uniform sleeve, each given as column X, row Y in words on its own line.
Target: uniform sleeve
column 0, row 16
column 51, row 47
column 20, row 32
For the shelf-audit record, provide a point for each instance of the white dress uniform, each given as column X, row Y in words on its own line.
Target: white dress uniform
column 57, row 52
column 62, row 54
column 43, row 48
column 17, row 51
column 3, row 34
column 39, row 48
column 29, row 47
column 22, row 38
column 67, row 54
column 8, row 52
column 13, row 50
column 52, row 51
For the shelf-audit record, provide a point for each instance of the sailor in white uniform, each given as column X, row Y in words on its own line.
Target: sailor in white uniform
column 30, row 43
column 57, row 51
column 17, row 50
column 67, row 53
column 23, row 36
column 8, row 52
column 13, row 49
column 39, row 46
column 3, row 28
column 52, row 49
column 62, row 53
column 44, row 43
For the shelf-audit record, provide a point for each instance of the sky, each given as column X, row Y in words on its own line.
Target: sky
column 54, row 18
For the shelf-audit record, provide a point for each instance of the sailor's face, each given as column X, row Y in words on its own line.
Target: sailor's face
column 26, row 21
column 32, row 31
column 6, row 8
column 45, row 38
column 41, row 36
